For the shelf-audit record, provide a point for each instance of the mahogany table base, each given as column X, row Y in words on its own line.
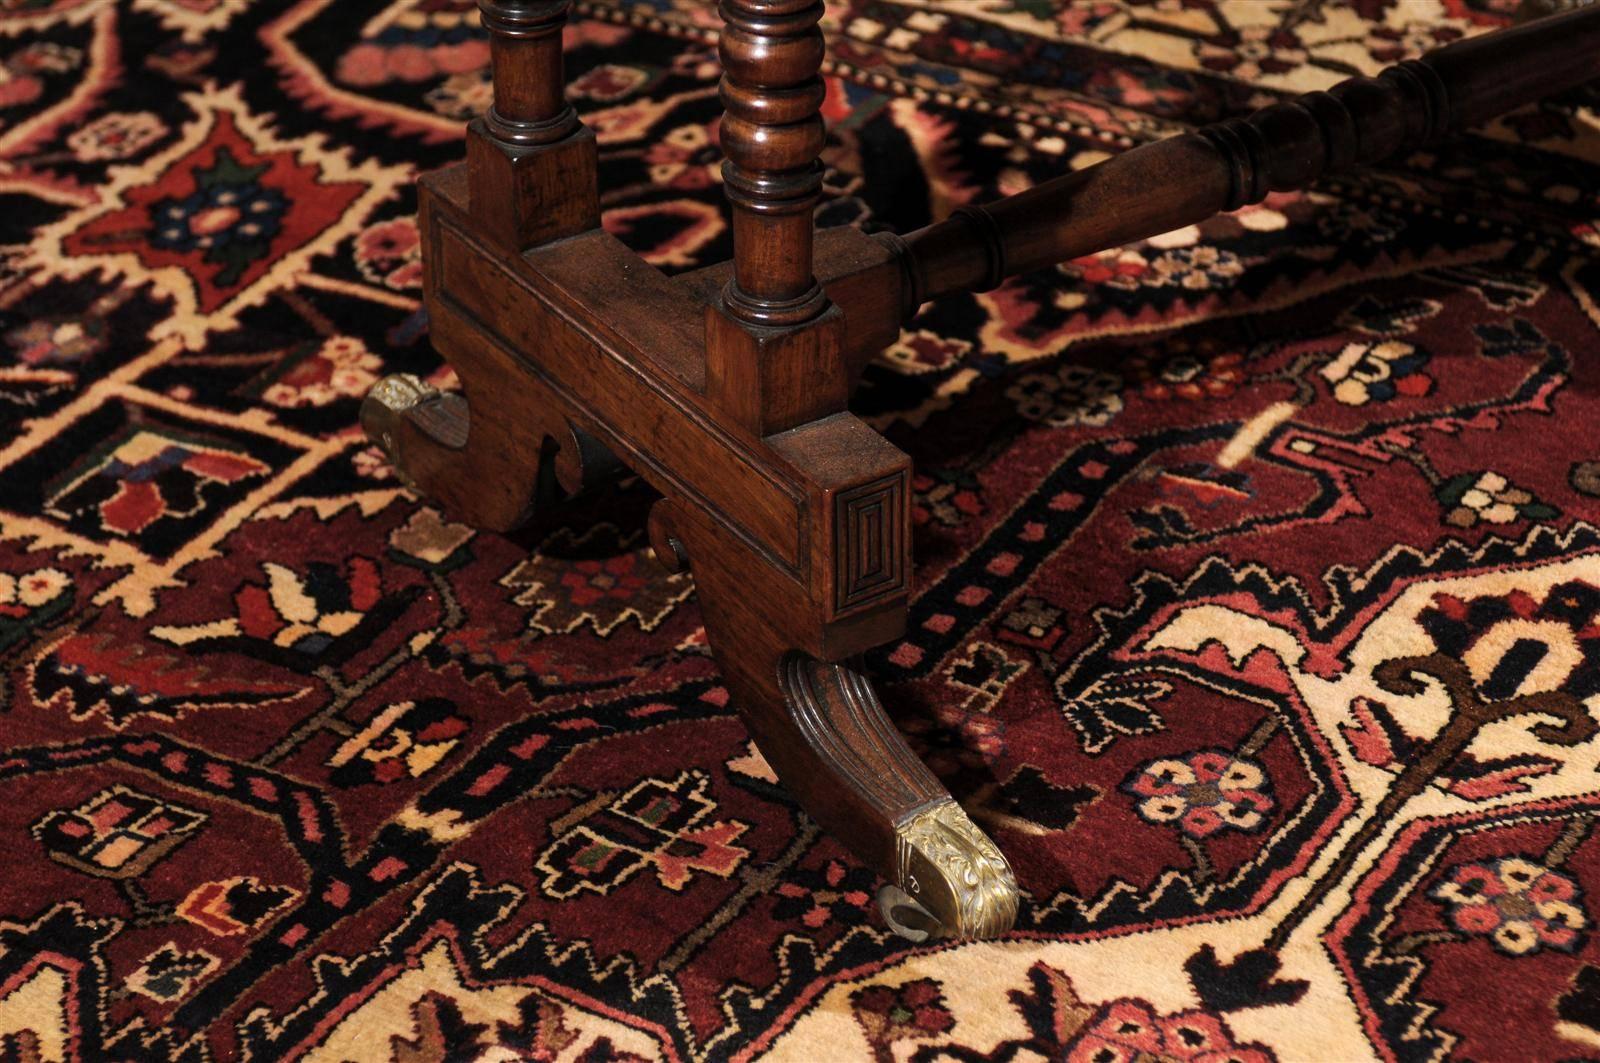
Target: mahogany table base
column 727, row 389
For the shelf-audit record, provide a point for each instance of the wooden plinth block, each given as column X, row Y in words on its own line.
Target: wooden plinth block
column 768, row 379
column 526, row 196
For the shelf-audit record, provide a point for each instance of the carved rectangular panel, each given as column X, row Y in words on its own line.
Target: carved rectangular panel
column 869, row 542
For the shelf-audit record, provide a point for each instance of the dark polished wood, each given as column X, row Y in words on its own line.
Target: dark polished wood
column 533, row 165
column 1176, row 182
column 726, row 389
column 772, row 134
column 530, row 105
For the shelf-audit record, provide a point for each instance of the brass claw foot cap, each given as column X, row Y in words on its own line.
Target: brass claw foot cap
column 386, row 405
column 954, row 882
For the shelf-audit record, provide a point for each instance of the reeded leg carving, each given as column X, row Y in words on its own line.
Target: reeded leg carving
column 823, row 729
column 949, row 879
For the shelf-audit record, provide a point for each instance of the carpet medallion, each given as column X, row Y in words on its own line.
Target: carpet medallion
column 1256, row 617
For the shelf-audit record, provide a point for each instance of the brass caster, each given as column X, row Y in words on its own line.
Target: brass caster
column 953, row 883
column 905, row 916
column 947, row 879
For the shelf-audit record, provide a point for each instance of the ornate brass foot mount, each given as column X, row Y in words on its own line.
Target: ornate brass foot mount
column 947, row 879
column 954, row 882
column 392, row 401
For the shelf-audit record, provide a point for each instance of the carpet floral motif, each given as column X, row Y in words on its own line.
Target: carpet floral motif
column 1257, row 612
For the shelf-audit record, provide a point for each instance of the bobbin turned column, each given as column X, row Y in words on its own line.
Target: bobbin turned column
column 774, row 341
column 784, row 634
column 532, row 164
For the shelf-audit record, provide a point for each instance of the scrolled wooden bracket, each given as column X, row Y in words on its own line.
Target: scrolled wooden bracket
column 427, row 436
column 461, row 450
column 401, row 403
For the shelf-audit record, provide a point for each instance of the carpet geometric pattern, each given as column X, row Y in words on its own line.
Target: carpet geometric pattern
column 1256, row 615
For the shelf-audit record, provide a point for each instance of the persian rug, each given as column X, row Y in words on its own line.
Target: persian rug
column 1257, row 612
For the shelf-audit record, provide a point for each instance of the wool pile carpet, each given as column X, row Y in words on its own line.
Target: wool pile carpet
column 1257, row 610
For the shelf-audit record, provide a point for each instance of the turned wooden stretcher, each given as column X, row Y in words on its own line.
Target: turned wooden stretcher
column 727, row 389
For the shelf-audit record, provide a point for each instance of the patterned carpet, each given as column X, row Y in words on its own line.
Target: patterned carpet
column 1258, row 598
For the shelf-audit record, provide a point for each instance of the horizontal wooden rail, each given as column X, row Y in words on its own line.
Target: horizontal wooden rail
column 1183, row 180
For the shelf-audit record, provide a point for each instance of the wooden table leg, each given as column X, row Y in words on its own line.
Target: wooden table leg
column 531, row 174
column 726, row 390
column 777, row 363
